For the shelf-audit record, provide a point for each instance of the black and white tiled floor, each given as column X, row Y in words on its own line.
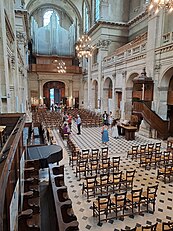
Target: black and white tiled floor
column 91, row 138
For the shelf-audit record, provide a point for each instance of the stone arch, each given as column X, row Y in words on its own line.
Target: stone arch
column 165, row 98
column 128, row 94
column 57, row 95
column 107, row 99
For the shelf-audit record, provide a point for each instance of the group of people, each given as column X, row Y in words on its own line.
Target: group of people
column 108, row 121
column 67, row 126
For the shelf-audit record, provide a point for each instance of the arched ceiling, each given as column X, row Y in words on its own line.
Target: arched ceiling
column 72, row 8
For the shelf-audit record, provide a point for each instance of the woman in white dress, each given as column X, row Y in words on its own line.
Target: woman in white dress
column 114, row 129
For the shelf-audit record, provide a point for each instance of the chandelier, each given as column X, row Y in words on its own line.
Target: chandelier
column 83, row 48
column 60, row 66
column 156, row 5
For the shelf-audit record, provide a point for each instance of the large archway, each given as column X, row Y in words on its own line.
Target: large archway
column 54, row 93
column 107, row 95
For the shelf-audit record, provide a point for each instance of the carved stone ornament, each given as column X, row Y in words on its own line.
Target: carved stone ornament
column 21, row 37
column 103, row 43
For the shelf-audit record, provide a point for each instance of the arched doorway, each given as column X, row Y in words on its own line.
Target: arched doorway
column 54, row 93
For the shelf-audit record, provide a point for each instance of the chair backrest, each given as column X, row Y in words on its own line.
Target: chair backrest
column 90, row 181
column 130, row 175
column 104, row 179
column 150, row 147
column 149, row 227
column 104, row 152
column 157, row 146
column 167, row 226
column 103, row 202
column 135, row 149
column 117, row 176
column 152, row 192
column 85, row 154
column 136, row 195
column 94, row 153
column 120, row 199
column 133, row 229
column 143, row 148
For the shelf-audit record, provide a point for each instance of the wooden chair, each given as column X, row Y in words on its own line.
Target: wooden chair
column 89, row 186
column 81, row 168
column 167, row 226
column 93, row 166
column 127, row 179
column 115, row 163
column 166, row 171
column 101, row 207
column 94, row 153
column 85, row 154
column 157, row 147
column 73, row 158
column 150, row 147
column 149, row 197
column 104, row 153
column 133, row 200
column 103, row 183
column 150, row 227
column 115, row 180
column 132, row 229
column 133, row 152
column 104, row 165
column 118, row 203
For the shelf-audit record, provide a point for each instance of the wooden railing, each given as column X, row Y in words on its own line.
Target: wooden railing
column 156, row 122
column 9, row 165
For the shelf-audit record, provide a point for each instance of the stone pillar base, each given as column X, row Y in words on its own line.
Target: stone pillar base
column 145, row 129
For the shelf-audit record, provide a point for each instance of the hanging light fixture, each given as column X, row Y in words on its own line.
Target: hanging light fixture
column 83, row 48
column 60, row 66
column 156, row 5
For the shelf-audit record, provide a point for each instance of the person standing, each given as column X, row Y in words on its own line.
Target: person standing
column 114, row 129
column 110, row 118
column 69, row 120
column 105, row 134
column 105, row 118
column 78, row 123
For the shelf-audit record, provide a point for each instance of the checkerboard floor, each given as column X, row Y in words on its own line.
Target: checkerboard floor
column 91, row 138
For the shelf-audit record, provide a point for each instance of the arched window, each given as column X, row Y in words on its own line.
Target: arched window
column 47, row 15
column 85, row 17
column 97, row 10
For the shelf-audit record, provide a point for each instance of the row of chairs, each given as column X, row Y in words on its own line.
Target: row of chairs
column 125, row 204
column 155, row 159
column 96, row 166
column 165, row 172
column 137, row 150
column 164, row 226
column 108, row 183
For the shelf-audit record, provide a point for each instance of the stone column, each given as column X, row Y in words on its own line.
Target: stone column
column 70, row 94
column 40, row 90
column 123, row 102
column 102, row 45
column 89, row 83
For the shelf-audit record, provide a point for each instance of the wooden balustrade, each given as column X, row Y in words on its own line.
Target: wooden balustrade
column 156, row 122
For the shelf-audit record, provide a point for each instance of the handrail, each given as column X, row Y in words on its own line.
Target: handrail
column 153, row 119
column 12, row 147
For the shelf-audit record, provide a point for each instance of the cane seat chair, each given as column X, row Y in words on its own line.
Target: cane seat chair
column 167, row 226
column 104, row 153
column 127, row 179
column 115, row 181
column 133, row 200
column 149, row 197
column 150, row 227
column 115, row 164
column 101, row 207
column 118, row 203
column 132, row 229
column 133, row 152
column 89, row 186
